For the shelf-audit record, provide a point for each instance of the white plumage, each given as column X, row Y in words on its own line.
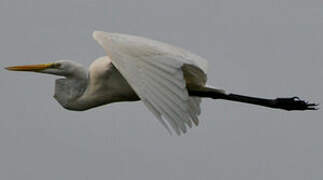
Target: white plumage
column 154, row 70
column 169, row 80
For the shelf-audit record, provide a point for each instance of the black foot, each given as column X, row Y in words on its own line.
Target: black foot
column 294, row 103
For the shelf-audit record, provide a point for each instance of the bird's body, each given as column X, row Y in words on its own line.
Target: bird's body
column 169, row 80
column 102, row 84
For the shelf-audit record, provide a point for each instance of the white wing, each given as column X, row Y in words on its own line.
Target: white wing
column 153, row 69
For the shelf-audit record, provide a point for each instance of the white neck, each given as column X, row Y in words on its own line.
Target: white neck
column 95, row 90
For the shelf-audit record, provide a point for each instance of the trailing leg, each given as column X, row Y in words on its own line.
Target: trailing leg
column 289, row 104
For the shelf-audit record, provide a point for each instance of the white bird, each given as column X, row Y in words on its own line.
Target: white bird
column 170, row 81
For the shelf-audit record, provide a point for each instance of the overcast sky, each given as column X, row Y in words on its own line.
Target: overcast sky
column 255, row 47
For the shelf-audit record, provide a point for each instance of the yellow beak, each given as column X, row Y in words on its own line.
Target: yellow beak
column 35, row 67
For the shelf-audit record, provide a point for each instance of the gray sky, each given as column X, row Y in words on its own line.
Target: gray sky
column 254, row 47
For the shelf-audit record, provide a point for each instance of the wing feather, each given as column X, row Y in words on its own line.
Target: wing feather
column 169, row 85
column 157, row 114
column 158, row 105
column 154, row 70
column 181, row 113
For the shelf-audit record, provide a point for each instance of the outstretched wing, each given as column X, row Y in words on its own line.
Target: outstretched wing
column 154, row 71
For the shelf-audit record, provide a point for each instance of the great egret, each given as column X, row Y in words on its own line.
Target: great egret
column 169, row 80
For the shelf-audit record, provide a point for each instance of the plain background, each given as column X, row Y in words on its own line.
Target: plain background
column 255, row 47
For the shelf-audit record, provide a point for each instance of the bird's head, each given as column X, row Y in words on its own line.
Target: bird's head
column 66, row 89
column 65, row 68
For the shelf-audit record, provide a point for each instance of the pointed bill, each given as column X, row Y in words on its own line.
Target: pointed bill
column 34, row 67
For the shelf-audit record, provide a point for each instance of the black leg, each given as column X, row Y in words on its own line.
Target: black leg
column 288, row 104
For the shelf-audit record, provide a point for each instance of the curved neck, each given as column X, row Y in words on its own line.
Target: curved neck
column 94, row 89
column 69, row 89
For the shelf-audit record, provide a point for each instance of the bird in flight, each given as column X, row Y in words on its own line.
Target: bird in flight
column 170, row 81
